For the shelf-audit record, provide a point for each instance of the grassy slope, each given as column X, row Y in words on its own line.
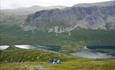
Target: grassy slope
column 18, row 60
column 21, row 55
column 74, row 64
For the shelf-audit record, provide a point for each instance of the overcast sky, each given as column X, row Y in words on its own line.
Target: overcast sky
column 11, row 4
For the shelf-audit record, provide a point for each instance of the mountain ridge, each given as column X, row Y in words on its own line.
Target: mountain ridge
column 59, row 20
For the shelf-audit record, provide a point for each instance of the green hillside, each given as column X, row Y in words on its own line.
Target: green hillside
column 79, row 37
column 33, row 59
column 21, row 55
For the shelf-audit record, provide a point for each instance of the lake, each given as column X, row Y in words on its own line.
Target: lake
column 33, row 47
column 3, row 47
column 90, row 53
column 101, row 47
column 93, row 53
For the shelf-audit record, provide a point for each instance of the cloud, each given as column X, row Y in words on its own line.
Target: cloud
column 9, row 4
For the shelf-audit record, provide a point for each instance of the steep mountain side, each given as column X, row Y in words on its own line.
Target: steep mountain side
column 65, row 20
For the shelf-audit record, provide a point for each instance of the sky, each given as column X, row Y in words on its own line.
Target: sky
column 12, row 4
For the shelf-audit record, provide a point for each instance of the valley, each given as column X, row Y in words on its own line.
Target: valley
column 81, row 36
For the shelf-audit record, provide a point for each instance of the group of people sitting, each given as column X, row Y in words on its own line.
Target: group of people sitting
column 54, row 61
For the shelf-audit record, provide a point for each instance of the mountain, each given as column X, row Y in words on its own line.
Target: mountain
column 11, row 18
column 88, row 16
column 66, row 27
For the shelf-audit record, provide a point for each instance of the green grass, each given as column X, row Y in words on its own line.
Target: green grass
column 18, row 60
column 29, row 55
column 73, row 64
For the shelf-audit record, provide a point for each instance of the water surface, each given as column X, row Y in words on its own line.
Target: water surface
column 93, row 54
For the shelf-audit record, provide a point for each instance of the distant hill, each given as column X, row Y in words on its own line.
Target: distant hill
column 28, row 10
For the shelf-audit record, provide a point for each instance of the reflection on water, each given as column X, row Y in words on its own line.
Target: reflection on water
column 2, row 47
column 92, row 54
column 24, row 46
column 33, row 47
column 96, row 54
